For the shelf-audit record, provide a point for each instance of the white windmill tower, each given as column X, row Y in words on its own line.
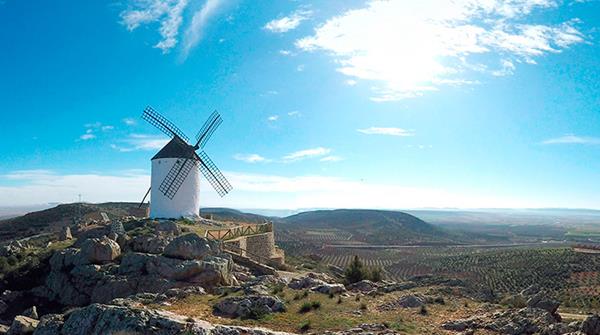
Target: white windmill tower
column 175, row 181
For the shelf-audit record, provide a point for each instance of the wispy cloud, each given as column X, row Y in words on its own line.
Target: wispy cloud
column 170, row 16
column 408, row 48
column 386, row 131
column 129, row 121
column 250, row 158
column 331, row 159
column 92, row 128
column 289, row 22
column 136, row 142
column 273, row 118
column 307, row 153
column 573, row 139
column 194, row 31
column 294, row 113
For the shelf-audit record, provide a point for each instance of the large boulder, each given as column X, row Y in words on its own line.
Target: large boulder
column 210, row 272
column 305, row 282
column 22, row 325
column 167, row 227
column 329, row 288
column 251, row 306
column 511, row 322
column 542, row 301
column 190, row 246
column 591, row 325
column 150, row 244
column 100, row 250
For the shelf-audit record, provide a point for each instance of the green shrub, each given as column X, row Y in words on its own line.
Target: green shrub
column 363, row 306
column 305, row 308
column 316, row 304
column 376, row 274
column 304, row 326
column 355, row 271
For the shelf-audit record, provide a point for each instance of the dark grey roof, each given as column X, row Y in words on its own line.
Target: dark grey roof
column 176, row 148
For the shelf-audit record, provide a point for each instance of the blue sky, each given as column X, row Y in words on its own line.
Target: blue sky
column 381, row 104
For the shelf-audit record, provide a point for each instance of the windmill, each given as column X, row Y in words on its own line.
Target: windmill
column 175, row 181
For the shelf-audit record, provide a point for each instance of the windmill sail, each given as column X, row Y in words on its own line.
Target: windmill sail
column 208, row 129
column 176, row 176
column 161, row 122
column 214, row 175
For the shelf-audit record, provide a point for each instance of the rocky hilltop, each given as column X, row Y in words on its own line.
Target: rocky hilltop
column 141, row 276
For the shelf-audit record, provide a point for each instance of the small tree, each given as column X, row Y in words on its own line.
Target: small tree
column 376, row 274
column 355, row 271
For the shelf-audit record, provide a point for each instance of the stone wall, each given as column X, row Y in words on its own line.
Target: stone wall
column 261, row 245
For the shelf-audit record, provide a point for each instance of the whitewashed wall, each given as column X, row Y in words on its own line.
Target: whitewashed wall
column 186, row 202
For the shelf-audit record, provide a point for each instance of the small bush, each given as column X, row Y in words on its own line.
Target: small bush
column 278, row 288
column 376, row 274
column 304, row 326
column 304, row 294
column 316, row 304
column 423, row 310
column 357, row 298
column 339, row 301
column 297, row 296
column 439, row 300
column 363, row 306
column 331, row 295
column 305, row 308
column 256, row 313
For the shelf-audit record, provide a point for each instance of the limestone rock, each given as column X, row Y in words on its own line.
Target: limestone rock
column 167, row 227
column 329, row 288
column 305, row 282
column 150, row 244
column 540, row 300
column 31, row 312
column 22, row 325
column 100, row 250
column 65, row 234
column 248, row 306
column 591, row 325
column 190, row 246
column 50, row 324
column 363, row 286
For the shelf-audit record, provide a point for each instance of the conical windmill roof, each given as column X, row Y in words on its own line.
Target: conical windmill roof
column 176, row 148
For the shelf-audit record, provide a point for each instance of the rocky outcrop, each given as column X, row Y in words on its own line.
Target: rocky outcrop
column 510, row 322
column 167, row 227
column 542, row 301
column 100, row 250
column 190, row 246
column 330, row 288
column 249, row 307
column 308, row 281
column 99, row 319
column 22, row 325
column 591, row 325
column 151, row 244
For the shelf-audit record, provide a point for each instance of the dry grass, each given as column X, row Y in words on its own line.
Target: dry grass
column 332, row 315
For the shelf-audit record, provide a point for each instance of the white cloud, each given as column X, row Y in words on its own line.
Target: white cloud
column 273, row 118
column 573, row 139
column 107, row 128
column 193, row 33
column 288, row 23
column 294, row 113
column 331, row 159
column 45, row 186
column 140, row 142
column 250, row 158
column 129, row 121
column 170, row 15
column 307, row 153
column 300, row 67
column 285, row 52
column 86, row 137
column 253, row 191
column 408, row 48
column 386, row 131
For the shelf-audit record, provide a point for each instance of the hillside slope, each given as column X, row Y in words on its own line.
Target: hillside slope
column 373, row 226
